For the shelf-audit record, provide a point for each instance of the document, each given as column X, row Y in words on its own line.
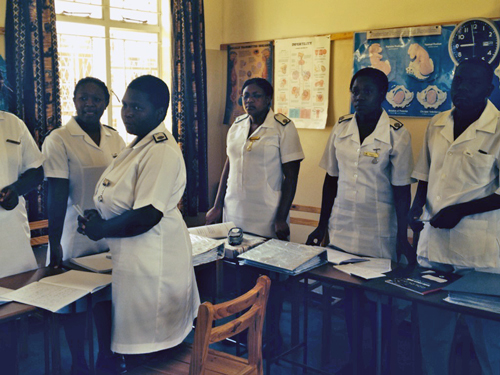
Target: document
column 213, row 231
column 369, row 269
column 100, row 263
column 206, row 250
column 341, row 257
column 4, row 291
column 54, row 292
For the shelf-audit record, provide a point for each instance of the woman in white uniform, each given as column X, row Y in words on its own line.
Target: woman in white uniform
column 20, row 172
column 260, row 176
column 155, row 297
column 75, row 157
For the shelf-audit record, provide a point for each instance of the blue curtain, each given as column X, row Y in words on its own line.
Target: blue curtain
column 189, row 99
column 32, row 70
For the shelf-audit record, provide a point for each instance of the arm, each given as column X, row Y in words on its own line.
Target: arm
column 417, row 207
column 215, row 213
column 9, row 195
column 450, row 216
column 57, row 205
column 402, row 199
column 288, row 188
column 129, row 224
column 330, row 187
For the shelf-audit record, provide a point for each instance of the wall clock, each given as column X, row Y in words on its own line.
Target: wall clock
column 474, row 38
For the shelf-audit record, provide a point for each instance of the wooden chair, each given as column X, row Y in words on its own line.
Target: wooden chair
column 205, row 361
column 40, row 239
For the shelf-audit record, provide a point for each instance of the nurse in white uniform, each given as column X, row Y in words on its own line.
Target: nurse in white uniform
column 75, row 157
column 260, row 176
column 20, row 172
column 155, row 297
column 368, row 162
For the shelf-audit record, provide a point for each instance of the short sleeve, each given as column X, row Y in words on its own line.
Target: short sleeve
column 329, row 159
column 160, row 179
column 290, row 147
column 421, row 170
column 401, row 159
column 32, row 157
column 56, row 164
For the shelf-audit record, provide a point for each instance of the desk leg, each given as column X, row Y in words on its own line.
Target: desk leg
column 378, row 343
column 56, row 345
column 327, row 325
column 357, row 332
column 295, row 318
column 306, row 313
column 90, row 327
column 15, row 342
column 46, row 339
column 416, row 354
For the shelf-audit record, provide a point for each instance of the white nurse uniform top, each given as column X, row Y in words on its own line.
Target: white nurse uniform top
column 18, row 153
column 154, row 291
column 363, row 219
column 71, row 154
column 461, row 170
column 255, row 172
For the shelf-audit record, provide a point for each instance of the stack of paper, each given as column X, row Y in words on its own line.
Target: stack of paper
column 480, row 290
column 284, row 257
column 100, row 263
column 213, row 231
column 340, row 257
column 54, row 292
column 370, row 268
column 206, row 250
column 249, row 242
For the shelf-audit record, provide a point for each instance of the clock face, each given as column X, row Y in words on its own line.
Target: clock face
column 475, row 38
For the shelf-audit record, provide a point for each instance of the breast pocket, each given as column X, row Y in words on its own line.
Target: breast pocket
column 478, row 168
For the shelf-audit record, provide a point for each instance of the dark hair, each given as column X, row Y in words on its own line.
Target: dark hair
column 479, row 63
column 156, row 90
column 262, row 83
column 378, row 77
column 95, row 81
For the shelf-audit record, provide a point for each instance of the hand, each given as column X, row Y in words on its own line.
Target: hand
column 213, row 216
column 55, row 256
column 447, row 218
column 9, row 197
column 316, row 237
column 282, row 230
column 403, row 247
column 413, row 218
column 91, row 225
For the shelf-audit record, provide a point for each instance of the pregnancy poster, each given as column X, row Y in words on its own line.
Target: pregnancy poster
column 302, row 68
column 245, row 61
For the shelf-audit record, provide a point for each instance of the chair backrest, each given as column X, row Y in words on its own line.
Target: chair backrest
column 39, row 239
column 301, row 220
column 255, row 300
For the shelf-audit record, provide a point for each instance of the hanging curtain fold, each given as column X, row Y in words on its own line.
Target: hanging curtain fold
column 189, row 99
column 32, row 70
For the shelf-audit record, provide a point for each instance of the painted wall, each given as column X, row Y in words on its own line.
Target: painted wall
column 3, row 4
column 245, row 21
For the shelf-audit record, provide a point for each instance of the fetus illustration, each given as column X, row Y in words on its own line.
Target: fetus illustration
column 421, row 65
column 431, row 97
column 266, row 54
column 296, row 91
column 319, row 83
column 283, row 68
column 375, row 51
column 306, row 75
column 399, row 96
column 306, row 95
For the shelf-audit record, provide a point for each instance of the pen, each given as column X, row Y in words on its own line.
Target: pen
column 78, row 210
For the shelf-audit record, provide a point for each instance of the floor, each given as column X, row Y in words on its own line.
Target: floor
column 32, row 360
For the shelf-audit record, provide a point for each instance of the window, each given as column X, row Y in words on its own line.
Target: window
column 113, row 40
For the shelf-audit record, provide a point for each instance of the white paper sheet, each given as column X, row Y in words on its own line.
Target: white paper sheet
column 213, row 231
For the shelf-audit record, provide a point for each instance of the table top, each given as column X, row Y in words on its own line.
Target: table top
column 329, row 274
column 14, row 310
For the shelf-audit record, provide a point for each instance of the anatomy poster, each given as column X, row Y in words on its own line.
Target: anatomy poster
column 417, row 64
column 245, row 61
column 302, row 69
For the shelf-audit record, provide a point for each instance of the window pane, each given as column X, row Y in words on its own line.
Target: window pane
column 132, row 54
column 79, row 8
column 145, row 11
column 81, row 51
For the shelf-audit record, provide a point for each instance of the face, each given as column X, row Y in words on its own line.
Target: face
column 470, row 87
column 138, row 113
column 255, row 101
column 366, row 97
column 90, row 103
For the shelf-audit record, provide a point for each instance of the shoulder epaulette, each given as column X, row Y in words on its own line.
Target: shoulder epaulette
column 396, row 124
column 346, row 117
column 160, row 137
column 282, row 119
column 240, row 118
column 110, row 127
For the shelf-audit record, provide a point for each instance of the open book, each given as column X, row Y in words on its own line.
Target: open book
column 370, row 268
column 284, row 257
column 100, row 263
column 249, row 242
column 212, row 231
column 54, row 292
column 206, row 250
column 340, row 257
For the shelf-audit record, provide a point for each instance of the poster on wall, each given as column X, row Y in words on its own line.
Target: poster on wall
column 418, row 65
column 302, row 68
column 245, row 61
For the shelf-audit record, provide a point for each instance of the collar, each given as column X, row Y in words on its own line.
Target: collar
column 148, row 137
column 487, row 123
column 382, row 131
column 269, row 121
column 76, row 130
column 2, row 115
